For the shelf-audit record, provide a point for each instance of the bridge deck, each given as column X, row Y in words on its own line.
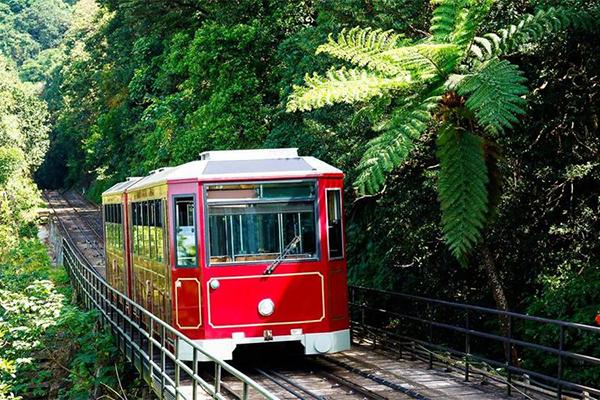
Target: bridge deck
column 380, row 373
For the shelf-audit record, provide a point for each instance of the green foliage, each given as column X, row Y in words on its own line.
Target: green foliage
column 391, row 148
column 445, row 18
column 12, row 161
column 573, row 295
column 530, row 29
column 48, row 346
column 462, row 182
column 494, row 94
column 344, row 85
column 30, row 27
column 23, row 116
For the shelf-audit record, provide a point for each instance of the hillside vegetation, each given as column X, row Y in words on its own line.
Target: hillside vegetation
column 488, row 117
column 148, row 84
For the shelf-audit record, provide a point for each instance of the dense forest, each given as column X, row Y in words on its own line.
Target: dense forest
column 93, row 91
column 146, row 84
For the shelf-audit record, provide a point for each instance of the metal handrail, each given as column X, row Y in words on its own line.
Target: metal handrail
column 141, row 344
column 361, row 297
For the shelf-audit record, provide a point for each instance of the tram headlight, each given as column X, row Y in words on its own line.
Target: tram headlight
column 266, row 307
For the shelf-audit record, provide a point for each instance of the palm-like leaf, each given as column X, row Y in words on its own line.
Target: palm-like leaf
column 382, row 51
column 446, row 17
column 530, row 28
column 462, row 190
column 344, row 86
column 363, row 47
column 494, row 94
column 390, row 149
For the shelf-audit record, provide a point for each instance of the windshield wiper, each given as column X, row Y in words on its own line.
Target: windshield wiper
column 269, row 270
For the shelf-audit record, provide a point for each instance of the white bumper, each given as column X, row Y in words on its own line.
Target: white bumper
column 314, row 343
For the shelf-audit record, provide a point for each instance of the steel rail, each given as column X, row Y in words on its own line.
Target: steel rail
column 66, row 231
column 281, row 385
column 367, row 393
column 375, row 378
column 80, row 214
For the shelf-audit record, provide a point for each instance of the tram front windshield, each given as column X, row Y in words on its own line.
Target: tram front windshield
column 257, row 222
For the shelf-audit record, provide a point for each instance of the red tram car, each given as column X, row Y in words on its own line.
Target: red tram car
column 239, row 247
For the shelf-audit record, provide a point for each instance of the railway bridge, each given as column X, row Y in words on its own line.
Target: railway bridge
column 404, row 346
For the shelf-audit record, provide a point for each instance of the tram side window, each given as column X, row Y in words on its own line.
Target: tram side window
column 185, row 231
column 113, row 219
column 148, row 229
column 334, row 223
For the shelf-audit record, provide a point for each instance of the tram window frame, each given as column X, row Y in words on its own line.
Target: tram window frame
column 159, row 231
column 175, row 198
column 339, row 208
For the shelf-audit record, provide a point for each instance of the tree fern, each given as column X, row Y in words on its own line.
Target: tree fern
column 494, row 93
column 393, row 146
column 462, row 190
column 344, row 86
column 477, row 89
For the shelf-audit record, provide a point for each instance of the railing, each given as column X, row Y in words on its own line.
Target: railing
column 498, row 344
column 150, row 343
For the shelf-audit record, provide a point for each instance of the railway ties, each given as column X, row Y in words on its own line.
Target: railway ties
column 81, row 223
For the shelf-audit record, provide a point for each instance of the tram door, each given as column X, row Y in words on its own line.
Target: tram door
column 187, row 294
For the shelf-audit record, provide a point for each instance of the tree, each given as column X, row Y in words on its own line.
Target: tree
column 452, row 83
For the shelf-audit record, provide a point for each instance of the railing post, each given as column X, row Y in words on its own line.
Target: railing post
column 217, row 379
column 177, row 369
column 245, row 391
column 195, row 369
column 561, row 345
column 163, row 361
column 509, row 363
column 430, row 315
column 363, row 307
column 467, row 345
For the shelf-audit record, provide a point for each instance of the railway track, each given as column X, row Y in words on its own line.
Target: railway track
column 356, row 374
column 82, row 224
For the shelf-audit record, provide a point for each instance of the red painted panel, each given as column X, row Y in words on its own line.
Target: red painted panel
column 297, row 298
column 187, row 303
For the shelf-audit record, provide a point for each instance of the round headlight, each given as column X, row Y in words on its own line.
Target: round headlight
column 214, row 284
column 266, row 307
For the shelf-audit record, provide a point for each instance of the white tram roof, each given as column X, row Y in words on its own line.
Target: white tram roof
column 232, row 164
column 122, row 186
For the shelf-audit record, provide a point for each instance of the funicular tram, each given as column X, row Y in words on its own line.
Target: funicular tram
column 239, row 247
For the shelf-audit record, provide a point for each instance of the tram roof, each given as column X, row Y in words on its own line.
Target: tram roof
column 122, row 186
column 234, row 164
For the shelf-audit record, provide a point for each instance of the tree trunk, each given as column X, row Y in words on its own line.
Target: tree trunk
column 490, row 269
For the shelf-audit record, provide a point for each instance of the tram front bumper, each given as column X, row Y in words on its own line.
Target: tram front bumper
column 314, row 343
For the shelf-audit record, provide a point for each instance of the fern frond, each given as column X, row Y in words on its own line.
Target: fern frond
column 468, row 20
column 344, row 86
column 393, row 146
column 494, row 94
column 462, row 183
column 383, row 51
column 363, row 47
column 446, row 14
column 529, row 29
